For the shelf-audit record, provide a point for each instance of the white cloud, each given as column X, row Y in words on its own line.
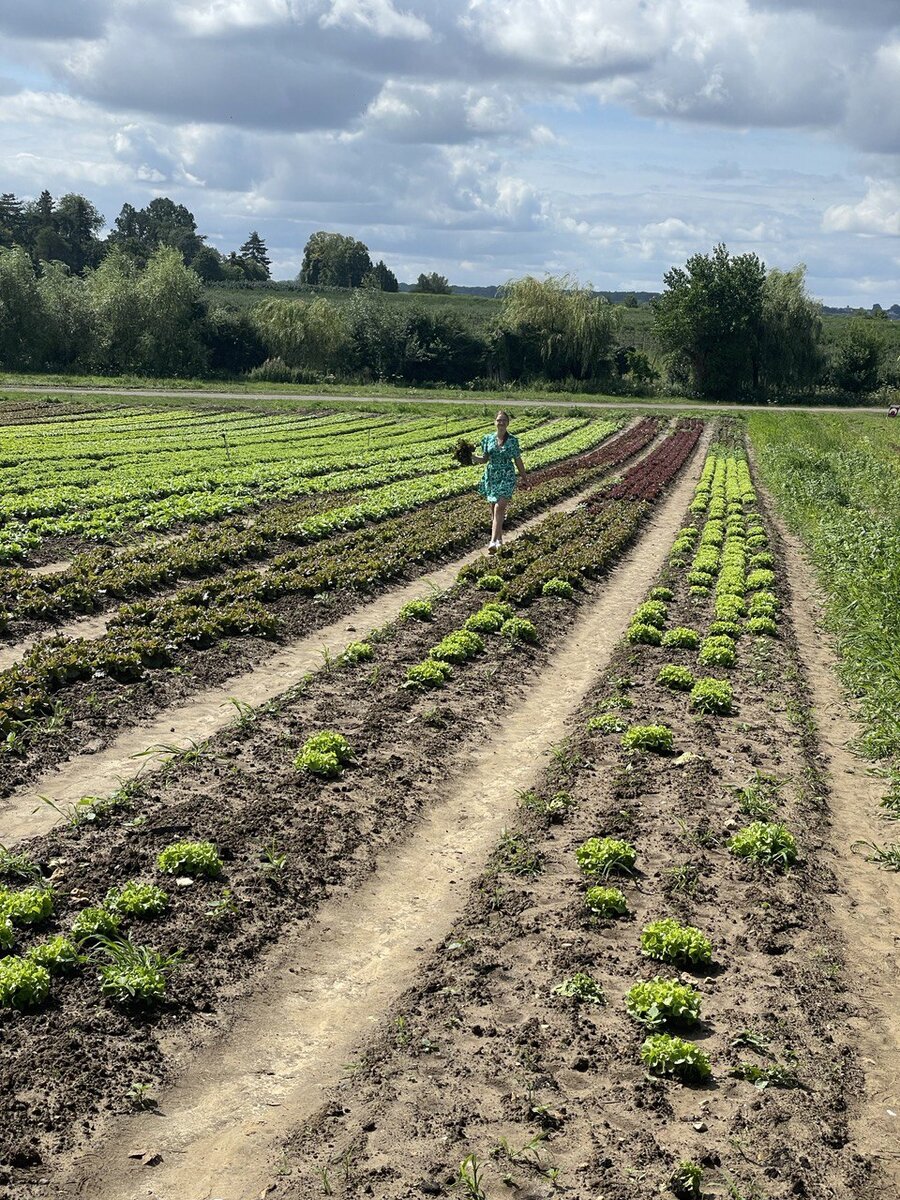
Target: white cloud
column 376, row 16
column 877, row 213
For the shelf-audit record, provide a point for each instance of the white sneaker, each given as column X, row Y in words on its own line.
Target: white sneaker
column 493, row 547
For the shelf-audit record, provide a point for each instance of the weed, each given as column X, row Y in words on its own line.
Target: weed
column 566, row 756
column 700, row 836
column 682, row 880
column 470, row 1178
column 135, row 975
column 18, row 866
column 686, row 1181
column 140, row 1097
column 223, row 907
column 190, row 858
column 583, row 988
column 598, row 858
column 754, row 1041
column 274, row 863
column 516, row 856
column 670, row 942
column 767, row 843
column 665, row 1054
column 658, row 1002
column 245, row 713
column 758, row 796
column 553, row 808
column 776, row 1075
column 190, row 753
column 887, row 857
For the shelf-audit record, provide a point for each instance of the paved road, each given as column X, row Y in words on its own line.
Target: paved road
column 331, row 398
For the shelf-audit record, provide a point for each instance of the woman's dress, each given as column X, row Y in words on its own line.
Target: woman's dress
column 499, row 478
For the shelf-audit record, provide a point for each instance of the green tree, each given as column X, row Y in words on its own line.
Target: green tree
column 255, row 250
column 67, row 316
column 555, row 327
column 78, row 223
column 173, row 316
column 22, row 335
column 303, row 334
column 709, row 321
column 12, row 220
column 207, row 263
column 141, row 231
column 857, row 358
column 433, row 282
column 334, row 260
column 116, row 312
column 791, row 357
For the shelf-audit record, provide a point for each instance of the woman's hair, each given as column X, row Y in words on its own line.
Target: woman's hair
column 502, row 413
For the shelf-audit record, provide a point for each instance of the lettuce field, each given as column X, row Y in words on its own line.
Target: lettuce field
column 340, row 858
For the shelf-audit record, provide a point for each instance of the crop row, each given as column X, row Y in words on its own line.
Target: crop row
column 98, row 576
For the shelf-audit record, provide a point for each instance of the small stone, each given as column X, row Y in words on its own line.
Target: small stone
column 184, row 881
column 700, row 1126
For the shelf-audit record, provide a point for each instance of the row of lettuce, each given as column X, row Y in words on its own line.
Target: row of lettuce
column 134, row 974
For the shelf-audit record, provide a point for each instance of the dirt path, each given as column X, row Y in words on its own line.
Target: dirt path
column 337, row 398
column 870, row 922
column 327, row 988
column 24, row 814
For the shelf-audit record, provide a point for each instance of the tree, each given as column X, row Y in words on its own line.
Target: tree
column 303, row 334
column 434, row 283
column 709, row 321
column 12, row 220
column 254, row 249
column 117, row 314
column 857, row 359
column 207, row 263
column 791, row 335
column 141, row 231
column 555, row 327
column 77, row 224
column 21, row 316
column 381, row 278
column 68, row 324
column 334, row 260
column 172, row 318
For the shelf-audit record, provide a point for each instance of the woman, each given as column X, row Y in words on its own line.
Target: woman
column 501, row 452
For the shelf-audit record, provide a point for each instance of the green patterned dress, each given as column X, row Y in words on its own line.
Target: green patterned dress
column 499, row 478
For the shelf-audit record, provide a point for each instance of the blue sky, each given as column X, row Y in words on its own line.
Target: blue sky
column 484, row 139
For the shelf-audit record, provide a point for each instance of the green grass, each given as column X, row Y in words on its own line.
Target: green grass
column 837, row 482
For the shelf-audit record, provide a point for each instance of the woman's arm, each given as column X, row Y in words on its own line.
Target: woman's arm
column 520, row 467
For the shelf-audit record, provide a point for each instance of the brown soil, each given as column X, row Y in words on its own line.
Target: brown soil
column 408, row 747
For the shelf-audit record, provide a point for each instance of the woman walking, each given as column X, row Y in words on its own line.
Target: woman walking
column 503, row 456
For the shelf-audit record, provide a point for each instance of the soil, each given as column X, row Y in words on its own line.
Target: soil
column 412, row 750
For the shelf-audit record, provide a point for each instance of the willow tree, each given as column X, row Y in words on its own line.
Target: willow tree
column 556, row 328
column 302, row 334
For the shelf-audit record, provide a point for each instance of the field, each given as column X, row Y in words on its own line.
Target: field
column 339, row 858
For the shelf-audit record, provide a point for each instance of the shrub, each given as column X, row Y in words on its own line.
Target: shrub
column 651, row 612
column 681, row 638
column 324, row 754
column 428, row 674
column 57, row 955
column 662, row 593
column 761, row 627
column 658, row 738
column 517, row 629
column 136, row 975
column 457, row 647
column 717, row 651
column 608, row 722
column 712, row 696
column 600, row 857
column 659, row 1002
column 558, row 587
column 643, row 635
column 416, row 610
column 95, row 922
column 358, row 652
column 491, row 583
column 670, row 942
column 583, row 988
column 673, row 676
column 29, row 906
column 135, row 899
column 765, row 842
column 190, row 858
column 23, row 984
column 664, row 1054
column 605, row 901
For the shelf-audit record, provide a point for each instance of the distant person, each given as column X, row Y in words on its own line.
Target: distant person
column 503, row 456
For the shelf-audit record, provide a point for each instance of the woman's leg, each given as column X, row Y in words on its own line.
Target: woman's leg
column 493, row 519
column 499, row 517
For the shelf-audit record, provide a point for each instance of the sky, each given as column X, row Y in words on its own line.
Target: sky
column 483, row 139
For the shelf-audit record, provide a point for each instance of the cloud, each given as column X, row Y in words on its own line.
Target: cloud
column 52, row 21
column 378, row 17
column 441, row 113
column 877, row 213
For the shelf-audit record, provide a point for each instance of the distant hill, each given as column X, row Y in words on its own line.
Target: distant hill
column 489, row 292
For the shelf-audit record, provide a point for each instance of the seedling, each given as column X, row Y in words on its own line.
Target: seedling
column 583, row 988
column 140, row 1097
column 712, row 696
column 24, row 985
column 887, row 857
column 491, row 583
column 94, row 923
column 30, row 906
column 658, row 739
column 651, row 612
column 686, row 1181
column 761, row 627
column 681, row 638
column 658, row 1002
column 416, row 610
column 274, row 863
column 767, row 843
column 607, row 722
column 428, row 674
column 324, row 754
column 717, row 651
column 599, row 858
column 670, row 942
column 517, row 629
column 680, row 679
column 662, row 593
column 605, row 901
column 643, row 634
column 223, row 907
column 486, row 620
column 558, row 587
column 136, row 899
column 357, row 652
column 664, row 1054
column 57, row 955
column 458, row 647
column 197, row 859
